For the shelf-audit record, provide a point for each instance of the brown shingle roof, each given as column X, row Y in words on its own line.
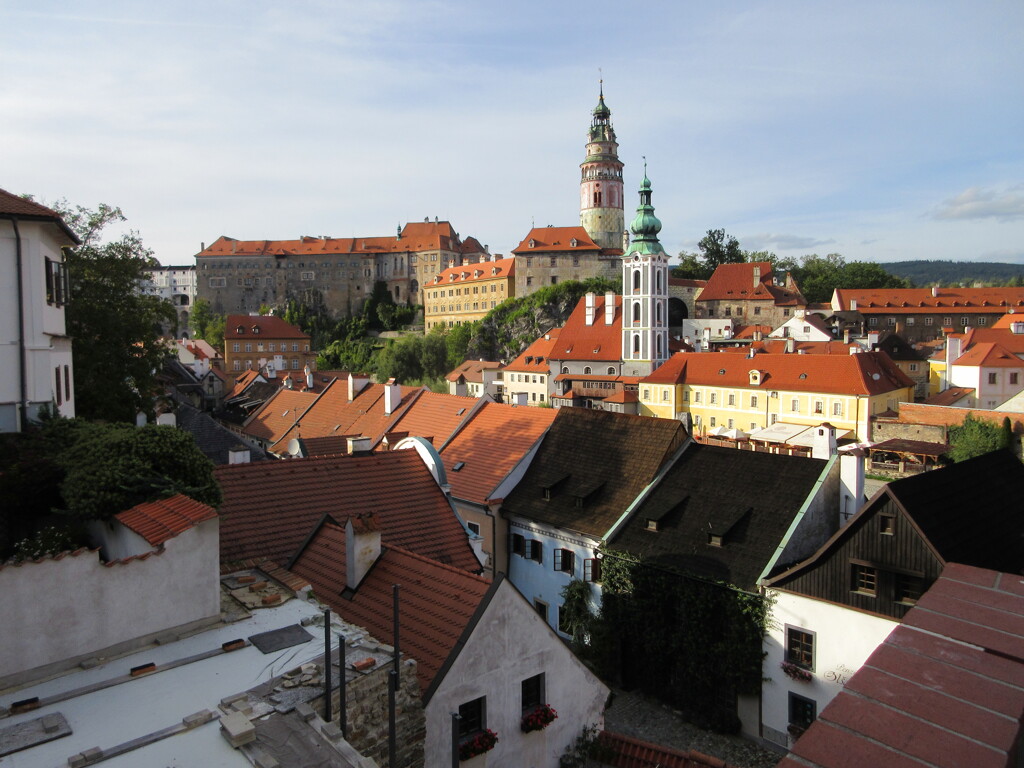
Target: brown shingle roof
column 436, row 601
column 17, row 207
column 547, row 239
column 270, row 507
column 606, row 458
column 270, row 327
column 158, row 521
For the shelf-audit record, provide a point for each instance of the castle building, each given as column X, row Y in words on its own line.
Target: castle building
column 549, row 255
column 465, row 294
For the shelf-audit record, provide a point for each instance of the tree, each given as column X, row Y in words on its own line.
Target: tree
column 117, row 350
column 974, row 438
column 818, row 276
column 206, row 324
column 112, row 467
column 718, row 248
column 690, row 267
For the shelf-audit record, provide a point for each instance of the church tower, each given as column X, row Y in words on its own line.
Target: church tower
column 601, row 212
column 644, row 292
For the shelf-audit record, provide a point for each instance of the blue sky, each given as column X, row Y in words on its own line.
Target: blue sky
column 879, row 130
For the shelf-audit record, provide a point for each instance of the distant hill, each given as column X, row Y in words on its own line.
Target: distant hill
column 966, row 273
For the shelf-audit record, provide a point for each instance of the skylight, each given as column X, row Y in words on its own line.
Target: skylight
column 458, row 465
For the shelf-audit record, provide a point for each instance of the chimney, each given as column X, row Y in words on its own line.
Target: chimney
column 873, row 340
column 167, row 420
column 758, row 335
column 362, row 547
column 823, row 444
column 609, row 308
column 954, row 348
column 309, row 376
column 287, row 382
column 935, row 291
column 790, row 345
column 356, row 383
column 392, row 396
column 757, row 276
column 1016, row 328
column 851, row 484
column 589, row 299
column 239, row 454
column 846, row 336
column 359, row 446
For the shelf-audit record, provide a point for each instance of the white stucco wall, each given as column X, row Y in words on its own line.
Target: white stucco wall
column 77, row 606
column 843, row 640
column 540, row 581
column 509, row 645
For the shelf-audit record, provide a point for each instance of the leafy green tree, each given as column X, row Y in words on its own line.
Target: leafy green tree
column 690, row 267
column 112, row 467
column 202, row 316
column 818, row 276
column 717, row 248
column 974, row 438
column 117, row 350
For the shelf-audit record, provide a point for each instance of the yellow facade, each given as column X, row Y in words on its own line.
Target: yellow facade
column 465, row 294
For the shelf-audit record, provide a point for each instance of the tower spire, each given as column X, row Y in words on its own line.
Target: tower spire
column 601, row 212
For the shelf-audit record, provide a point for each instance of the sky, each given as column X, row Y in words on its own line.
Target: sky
column 882, row 131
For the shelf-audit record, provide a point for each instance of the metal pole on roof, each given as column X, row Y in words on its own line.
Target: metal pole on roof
column 342, row 702
column 455, row 739
column 327, row 666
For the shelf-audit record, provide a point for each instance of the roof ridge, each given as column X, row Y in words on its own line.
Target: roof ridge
column 430, row 561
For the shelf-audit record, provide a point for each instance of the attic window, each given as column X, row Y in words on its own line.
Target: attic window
column 239, row 329
column 458, row 465
column 715, row 539
column 460, row 411
column 886, row 524
column 721, row 371
column 652, row 525
column 255, row 329
column 532, row 242
column 803, row 375
column 573, row 242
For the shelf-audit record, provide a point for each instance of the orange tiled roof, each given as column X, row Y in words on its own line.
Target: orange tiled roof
column 622, row 396
column 620, row 751
column 778, row 347
column 16, row 205
column 415, row 236
column 436, row 602
column 278, row 414
column 469, row 273
column 547, row 239
column 434, row 415
column 472, row 370
column 158, row 521
column 685, row 282
column 242, row 382
column 934, row 414
column 748, row 331
column 597, row 342
column 1012, row 342
column 836, row 374
column 270, row 327
column 489, row 446
column 735, row 282
column 534, row 358
column 916, row 300
column 1007, row 320
column 270, row 507
column 949, row 396
column 989, row 355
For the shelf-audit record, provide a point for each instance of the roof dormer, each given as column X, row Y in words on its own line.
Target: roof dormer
column 532, row 243
column 255, row 329
column 755, row 377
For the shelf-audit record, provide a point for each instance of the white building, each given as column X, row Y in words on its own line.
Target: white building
column 176, row 284
column 35, row 350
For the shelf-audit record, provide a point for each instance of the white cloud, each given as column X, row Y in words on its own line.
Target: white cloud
column 984, row 203
column 763, row 242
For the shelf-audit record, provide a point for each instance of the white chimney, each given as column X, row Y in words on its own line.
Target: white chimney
column 362, row 547
column 846, row 336
column 954, row 346
column 609, row 308
column 790, row 345
column 823, row 444
column 238, row 455
column 873, row 339
column 167, row 420
column 392, row 396
column 935, row 291
column 356, row 383
column 851, row 484
column 589, row 299
column 287, row 382
column 358, row 445
column 757, row 276
column 309, row 376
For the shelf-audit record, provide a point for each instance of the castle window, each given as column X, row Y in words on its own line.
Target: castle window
column 636, row 280
column 636, row 312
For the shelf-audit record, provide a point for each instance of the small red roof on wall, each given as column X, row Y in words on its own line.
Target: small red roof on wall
column 158, row 521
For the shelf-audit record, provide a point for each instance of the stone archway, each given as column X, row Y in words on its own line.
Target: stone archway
column 677, row 312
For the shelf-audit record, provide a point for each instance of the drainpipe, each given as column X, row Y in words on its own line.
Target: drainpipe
column 22, row 351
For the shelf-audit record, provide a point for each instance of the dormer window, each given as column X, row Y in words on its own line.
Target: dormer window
column 239, row 329
column 715, row 539
column 652, row 525
column 573, row 242
column 755, row 378
column 458, row 465
column 532, row 242
column 255, row 329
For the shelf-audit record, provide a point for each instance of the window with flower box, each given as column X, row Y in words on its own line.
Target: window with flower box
column 472, row 717
column 800, row 647
column 533, row 691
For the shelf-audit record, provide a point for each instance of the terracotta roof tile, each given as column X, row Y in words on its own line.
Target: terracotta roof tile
column 949, row 396
column 435, row 415
column 278, row 414
column 778, row 347
column 436, row 602
column 736, row 281
column 158, row 521
column 270, row 327
column 547, row 239
column 955, row 301
column 990, row 355
column 269, row 508
column 468, row 273
column 867, row 373
column 598, row 342
column 490, row 445
column 14, row 205
column 472, row 370
column 928, row 413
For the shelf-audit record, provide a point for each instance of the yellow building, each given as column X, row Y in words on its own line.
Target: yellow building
column 465, row 294
column 745, row 393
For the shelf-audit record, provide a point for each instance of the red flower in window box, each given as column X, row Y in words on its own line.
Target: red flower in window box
column 477, row 744
column 796, row 672
column 538, row 718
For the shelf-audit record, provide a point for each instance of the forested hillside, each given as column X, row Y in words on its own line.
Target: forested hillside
column 962, row 273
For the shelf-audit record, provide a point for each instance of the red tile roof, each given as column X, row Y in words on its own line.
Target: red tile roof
column 931, row 414
column 622, row 396
column 278, row 414
column 866, row 373
column 950, row 396
column 735, row 282
column 1001, row 335
column 269, row 327
column 415, row 236
column 241, row 383
column 685, row 282
column 472, row 371
column 534, row 358
column 434, row 415
column 270, row 507
column 547, row 239
column 627, row 752
column 158, row 521
column 490, row 445
column 598, row 342
column 996, row 301
column 19, row 207
column 945, row 689
column 469, row 273
column 436, row 601
column 778, row 347
column 989, row 355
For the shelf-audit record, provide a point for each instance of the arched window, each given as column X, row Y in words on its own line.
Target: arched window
column 659, row 345
column 611, row 370
column 657, row 280
column 657, row 312
column 565, row 369
column 636, row 311
column 636, row 343
column 636, row 279
column 587, row 370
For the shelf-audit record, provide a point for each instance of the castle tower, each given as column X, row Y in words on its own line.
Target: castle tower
column 601, row 212
column 644, row 292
